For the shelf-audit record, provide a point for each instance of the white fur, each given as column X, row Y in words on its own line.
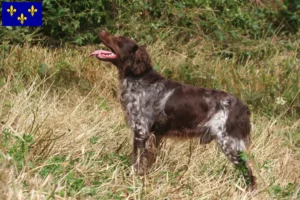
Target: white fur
column 217, row 123
column 217, row 127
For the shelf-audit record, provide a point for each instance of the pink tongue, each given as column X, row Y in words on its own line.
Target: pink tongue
column 98, row 52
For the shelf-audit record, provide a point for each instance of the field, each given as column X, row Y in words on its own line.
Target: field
column 63, row 134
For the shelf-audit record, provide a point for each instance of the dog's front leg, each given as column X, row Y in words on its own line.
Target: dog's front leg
column 143, row 151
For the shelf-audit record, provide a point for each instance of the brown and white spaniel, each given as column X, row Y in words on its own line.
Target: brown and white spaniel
column 156, row 107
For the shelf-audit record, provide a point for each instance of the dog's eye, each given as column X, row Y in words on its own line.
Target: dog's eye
column 118, row 39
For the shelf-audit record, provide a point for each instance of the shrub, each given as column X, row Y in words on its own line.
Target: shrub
column 79, row 22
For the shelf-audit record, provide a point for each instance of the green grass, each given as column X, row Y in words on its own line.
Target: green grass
column 63, row 133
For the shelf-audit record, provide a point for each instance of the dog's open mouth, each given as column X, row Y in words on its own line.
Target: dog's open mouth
column 103, row 55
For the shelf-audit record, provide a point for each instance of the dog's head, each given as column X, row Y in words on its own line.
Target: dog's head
column 123, row 53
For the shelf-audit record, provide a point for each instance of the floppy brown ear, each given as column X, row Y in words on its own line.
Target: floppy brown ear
column 142, row 61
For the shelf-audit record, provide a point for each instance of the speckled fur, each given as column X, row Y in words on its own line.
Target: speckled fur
column 142, row 103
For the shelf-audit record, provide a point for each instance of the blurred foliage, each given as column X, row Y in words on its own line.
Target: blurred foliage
column 79, row 22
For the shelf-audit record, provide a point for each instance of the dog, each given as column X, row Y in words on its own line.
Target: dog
column 156, row 107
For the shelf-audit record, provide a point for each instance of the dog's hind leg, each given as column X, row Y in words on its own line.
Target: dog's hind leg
column 234, row 149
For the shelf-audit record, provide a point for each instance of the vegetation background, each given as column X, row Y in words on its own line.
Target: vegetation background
column 60, row 116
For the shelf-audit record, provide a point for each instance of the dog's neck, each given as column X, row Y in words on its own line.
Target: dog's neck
column 127, row 73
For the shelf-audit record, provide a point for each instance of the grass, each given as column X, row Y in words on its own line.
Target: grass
column 63, row 134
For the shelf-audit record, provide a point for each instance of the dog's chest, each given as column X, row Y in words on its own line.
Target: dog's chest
column 142, row 101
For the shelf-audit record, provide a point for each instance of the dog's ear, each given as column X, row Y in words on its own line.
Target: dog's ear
column 142, row 61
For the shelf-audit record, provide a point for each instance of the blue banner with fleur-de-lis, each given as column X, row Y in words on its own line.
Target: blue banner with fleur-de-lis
column 21, row 13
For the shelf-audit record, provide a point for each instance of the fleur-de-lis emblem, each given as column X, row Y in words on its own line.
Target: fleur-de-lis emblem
column 22, row 18
column 11, row 10
column 32, row 10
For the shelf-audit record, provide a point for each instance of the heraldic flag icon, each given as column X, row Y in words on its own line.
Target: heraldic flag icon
column 21, row 13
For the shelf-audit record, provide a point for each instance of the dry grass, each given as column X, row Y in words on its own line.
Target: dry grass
column 64, row 137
